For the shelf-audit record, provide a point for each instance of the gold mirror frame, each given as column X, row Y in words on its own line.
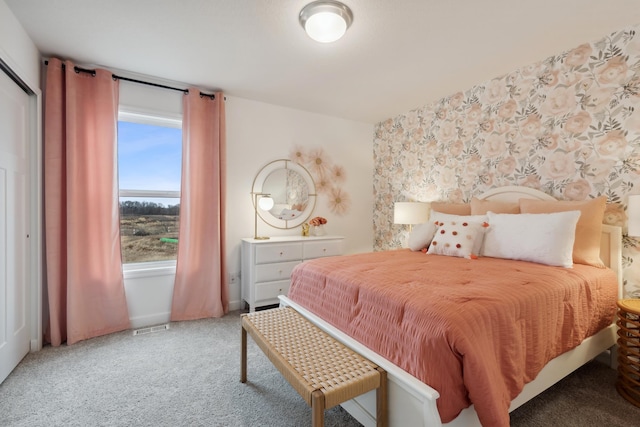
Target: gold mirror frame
column 258, row 187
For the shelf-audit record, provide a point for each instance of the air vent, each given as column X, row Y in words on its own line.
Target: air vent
column 151, row 329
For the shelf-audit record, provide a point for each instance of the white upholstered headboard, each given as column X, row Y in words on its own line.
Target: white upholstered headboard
column 610, row 243
column 512, row 193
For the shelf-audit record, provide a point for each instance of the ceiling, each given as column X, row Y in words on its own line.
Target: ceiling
column 397, row 55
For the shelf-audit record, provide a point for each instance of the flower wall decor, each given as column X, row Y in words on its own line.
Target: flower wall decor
column 568, row 125
column 327, row 177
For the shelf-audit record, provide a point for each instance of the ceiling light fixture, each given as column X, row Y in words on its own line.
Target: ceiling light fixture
column 325, row 21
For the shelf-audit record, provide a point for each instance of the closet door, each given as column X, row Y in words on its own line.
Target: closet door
column 14, row 224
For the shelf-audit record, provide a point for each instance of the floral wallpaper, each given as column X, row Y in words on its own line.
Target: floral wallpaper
column 568, row 125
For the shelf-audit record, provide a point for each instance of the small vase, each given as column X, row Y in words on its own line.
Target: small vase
column 318, row 230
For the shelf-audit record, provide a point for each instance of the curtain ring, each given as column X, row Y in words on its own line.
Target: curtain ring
column 79, row 70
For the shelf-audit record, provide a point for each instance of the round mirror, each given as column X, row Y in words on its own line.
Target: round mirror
column 292, row 190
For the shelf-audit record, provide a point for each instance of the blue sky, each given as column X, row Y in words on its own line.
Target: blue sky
column 149, row 157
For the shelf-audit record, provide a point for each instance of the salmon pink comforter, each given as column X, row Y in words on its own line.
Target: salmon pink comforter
column 474, row 330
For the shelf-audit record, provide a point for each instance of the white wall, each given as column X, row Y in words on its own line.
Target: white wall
column 149, row 293
column 258, row 133
column 17, row 49
column 150, row 100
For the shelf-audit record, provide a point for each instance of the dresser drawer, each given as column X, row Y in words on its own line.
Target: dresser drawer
column 278, row 252
column 275, row 271
column 322, row 248
column 271, row 290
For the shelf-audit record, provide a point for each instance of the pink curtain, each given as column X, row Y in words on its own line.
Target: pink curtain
column 200, row 288
column 84, row 274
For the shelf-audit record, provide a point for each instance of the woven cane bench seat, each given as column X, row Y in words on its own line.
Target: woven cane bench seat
column 322, row 370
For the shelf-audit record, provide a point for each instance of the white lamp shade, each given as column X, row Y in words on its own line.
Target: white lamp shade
column 411, row 212
column 265, row 203
column 633, row 215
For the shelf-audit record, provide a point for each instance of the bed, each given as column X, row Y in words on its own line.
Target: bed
column 411, row 400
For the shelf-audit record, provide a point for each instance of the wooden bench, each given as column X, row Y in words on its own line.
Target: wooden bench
column 323, row 371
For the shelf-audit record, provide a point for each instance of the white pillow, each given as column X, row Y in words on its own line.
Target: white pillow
column 421, row 235
column 478, row 219
column 543, row 238
column 456, row 238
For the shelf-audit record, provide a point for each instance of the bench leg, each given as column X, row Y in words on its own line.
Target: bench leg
column 243, row 357
column 382, row 409
column 317, row 409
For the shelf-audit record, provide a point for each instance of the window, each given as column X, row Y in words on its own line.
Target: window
column 149, row 168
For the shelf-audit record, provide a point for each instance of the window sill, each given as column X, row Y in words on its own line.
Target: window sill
column 148, row 269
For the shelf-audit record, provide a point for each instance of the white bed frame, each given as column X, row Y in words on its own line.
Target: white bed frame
column 413, row 403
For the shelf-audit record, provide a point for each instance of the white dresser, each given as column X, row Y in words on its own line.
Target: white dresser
column 267, row 264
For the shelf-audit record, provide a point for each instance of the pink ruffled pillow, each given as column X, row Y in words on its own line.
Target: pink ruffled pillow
column 451, row 208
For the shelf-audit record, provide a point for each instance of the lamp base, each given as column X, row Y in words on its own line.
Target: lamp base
column 261, row 238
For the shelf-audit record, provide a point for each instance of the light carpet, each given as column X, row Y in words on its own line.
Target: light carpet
column 189, row 376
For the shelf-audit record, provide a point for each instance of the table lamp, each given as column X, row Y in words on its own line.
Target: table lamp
column 264, row 202
column 411, row 213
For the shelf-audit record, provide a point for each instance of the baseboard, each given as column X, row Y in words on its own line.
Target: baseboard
column 235, row 305
column 160, row 318
column 150, row 320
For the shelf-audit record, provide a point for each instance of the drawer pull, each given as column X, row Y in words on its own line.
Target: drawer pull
column 324, row 249
column 281, row 253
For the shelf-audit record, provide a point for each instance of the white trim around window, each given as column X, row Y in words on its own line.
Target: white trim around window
column 150, row 193
column 155, row 118
column 134, row 115
column 137, row 270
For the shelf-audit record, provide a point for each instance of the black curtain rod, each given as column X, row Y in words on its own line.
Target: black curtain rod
column 116, row 77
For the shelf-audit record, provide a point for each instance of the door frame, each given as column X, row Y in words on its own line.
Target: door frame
column 35, row 257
